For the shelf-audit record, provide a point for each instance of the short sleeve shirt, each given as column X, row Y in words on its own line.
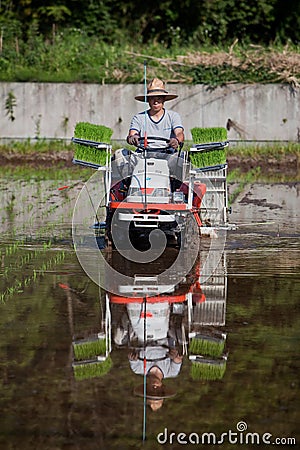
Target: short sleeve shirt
column 164, row 128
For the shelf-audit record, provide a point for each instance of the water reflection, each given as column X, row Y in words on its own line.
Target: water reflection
column 44, row 406
column 160, row 328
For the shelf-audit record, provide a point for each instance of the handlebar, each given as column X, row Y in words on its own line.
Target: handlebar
column 156, row 138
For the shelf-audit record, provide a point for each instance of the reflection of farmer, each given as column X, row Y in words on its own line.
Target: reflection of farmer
column 159, row 358
column 156, row 392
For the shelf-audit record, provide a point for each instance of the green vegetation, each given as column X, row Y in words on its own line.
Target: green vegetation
column 242, row 149
column 76, row 57
column 96, row 133
column 89, row 348
column 214, row 134
column 188, row 42
column 208, row 157
column 57, row 173
column 204, row 345
column 276, row 150
column 93, row 132
column 92, row 369
column 208, row 369
column 189, row 21
column 26, row 146
column 10, row 105
column 249, row 177
column 19, row 285
column 46, row 160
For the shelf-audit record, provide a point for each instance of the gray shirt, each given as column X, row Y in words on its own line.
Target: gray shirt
column 164, row 128
column 158, row 357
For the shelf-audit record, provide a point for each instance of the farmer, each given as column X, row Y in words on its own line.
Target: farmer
column 157, row 363
column 159, row 122
column 156, row 391
column 165, row 362
column 158, row 358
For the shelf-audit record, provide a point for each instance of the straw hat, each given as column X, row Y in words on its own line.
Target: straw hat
column 156, row 87
column 154, row 393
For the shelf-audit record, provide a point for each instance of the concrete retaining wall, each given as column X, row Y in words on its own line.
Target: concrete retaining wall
column 51, row 110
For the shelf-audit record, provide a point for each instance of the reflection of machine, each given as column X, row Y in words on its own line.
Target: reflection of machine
column 146, row 315
column 189, row 316
column 91, row 355
column 206, row 338
column 161, row 311
column 212, row 311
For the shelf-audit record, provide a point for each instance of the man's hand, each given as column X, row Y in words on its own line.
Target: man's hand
column 133, row 356
column 174, row 143
column 174, row 355
column 133, row 139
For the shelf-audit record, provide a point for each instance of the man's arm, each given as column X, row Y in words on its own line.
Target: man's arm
column 179, row 134
column 134, row 132
column 176, row 141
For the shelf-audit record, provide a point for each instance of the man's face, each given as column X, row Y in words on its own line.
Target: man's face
column 153, row 381
column 156, row 102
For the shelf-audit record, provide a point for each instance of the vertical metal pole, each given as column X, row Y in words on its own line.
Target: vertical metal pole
column 145, row 100
column 145, row 373
column 145, row 134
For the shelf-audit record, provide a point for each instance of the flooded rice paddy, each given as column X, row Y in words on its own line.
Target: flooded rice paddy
column 244, row 321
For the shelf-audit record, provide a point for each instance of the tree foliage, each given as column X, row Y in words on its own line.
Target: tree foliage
column 169, row 21
column 106, row 41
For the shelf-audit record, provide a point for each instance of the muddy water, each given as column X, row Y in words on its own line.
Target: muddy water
column 48, row 302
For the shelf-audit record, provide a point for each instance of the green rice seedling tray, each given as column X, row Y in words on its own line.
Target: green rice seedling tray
column 88, row 348
column 206, row 345
column 208, row 369
column 93, row 368
column 93, row 143
column 209, row 147
column 212, row 134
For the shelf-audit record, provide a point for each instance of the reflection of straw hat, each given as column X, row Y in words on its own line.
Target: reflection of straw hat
column 154, row 393
column 156, row 87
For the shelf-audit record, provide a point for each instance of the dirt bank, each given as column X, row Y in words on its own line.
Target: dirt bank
column 37, row 159
column 287, row 164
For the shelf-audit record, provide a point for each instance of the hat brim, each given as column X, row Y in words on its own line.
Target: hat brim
column 141, row 98
column 152, row 394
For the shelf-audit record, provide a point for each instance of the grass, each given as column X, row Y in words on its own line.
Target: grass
column 18, row 286
column 76, row 57
column 277, row 150
column 59, row 173
column 27, row 146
